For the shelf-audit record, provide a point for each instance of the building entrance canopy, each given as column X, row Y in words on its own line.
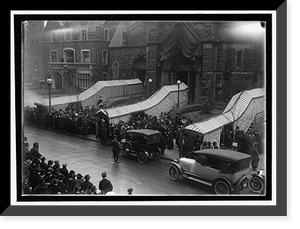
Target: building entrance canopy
column 181, row 43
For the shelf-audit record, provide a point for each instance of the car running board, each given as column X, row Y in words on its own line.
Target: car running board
column 198, row 180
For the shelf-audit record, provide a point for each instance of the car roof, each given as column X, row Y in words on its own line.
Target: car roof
column 223, row 154
column 143, row 131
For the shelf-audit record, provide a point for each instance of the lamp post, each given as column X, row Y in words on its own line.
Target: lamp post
column 149, row 83
column 178, row 84
column 49, row 82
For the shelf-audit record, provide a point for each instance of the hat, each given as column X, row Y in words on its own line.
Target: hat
column 54, row 182
column 87, row 176
column 79, row 176
column 130, row 190
column 104, row 174
column 64, row 164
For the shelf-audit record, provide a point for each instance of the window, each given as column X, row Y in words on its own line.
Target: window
column 104, row 75
column 239, row 59
column 106, row 34
column 68, row 35
column 115, row 70
column 85, row 56
column 104, row 57
column 83, row 80
column 53, row 56
column 69, row 55
column 83, row 35
column 53, row 36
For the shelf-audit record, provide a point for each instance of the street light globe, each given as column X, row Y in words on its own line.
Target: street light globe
column 49, row 81
column 150, row 80
column 178, row 82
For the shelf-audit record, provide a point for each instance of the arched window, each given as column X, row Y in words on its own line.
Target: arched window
column 69, row 55
column 115, row 70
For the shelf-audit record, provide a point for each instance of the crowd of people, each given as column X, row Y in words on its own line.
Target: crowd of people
column 72, row 120
column 41, row 176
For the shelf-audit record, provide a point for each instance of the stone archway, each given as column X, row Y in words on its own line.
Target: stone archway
column 57, row 80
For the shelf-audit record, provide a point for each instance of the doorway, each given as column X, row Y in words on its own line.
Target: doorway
column 188, row 78
column 57, row 80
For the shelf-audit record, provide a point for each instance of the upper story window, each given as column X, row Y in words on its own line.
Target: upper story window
column 83, row 35
column 68, row 35
column 239, row 58
column 85, row 56
column 53, row 36
column 104, row 57
column 53, row 56
column 106, row 34
column 69, row 55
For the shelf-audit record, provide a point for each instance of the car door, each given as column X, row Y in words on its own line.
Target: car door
column 198, row 168
column 212, row 169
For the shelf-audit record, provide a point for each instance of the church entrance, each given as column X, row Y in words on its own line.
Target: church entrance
column 188, row 77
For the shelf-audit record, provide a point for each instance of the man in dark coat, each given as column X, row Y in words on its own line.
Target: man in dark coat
column 116, row 148
column 105, row 185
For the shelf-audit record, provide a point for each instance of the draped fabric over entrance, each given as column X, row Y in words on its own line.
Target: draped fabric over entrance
column 181, row 43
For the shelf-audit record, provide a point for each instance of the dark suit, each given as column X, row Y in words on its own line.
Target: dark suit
column 105, row 185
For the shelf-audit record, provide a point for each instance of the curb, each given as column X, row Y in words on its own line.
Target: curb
column 79, row 136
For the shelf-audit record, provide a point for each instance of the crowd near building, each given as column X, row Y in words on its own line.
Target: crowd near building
column 214, row 58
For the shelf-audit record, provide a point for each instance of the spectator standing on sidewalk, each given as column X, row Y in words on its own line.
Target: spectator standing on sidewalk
column 105, row 185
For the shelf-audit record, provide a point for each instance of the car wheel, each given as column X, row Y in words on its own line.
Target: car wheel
column 127, row 147
column 142, row 157
column 156, row 155
column 221, row 187
column 174, row 173
column 256, row 184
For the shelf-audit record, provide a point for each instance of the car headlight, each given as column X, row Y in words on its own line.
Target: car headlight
column 147, row 153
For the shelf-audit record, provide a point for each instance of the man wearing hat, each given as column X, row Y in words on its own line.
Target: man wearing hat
column 87, row 186
column 129, row 191
column 116, row 148
column 54, row 188
column 105, row 185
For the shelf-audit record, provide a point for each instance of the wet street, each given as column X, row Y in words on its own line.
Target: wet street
column 90, row 157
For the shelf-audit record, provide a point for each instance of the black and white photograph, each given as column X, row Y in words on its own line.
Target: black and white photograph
column 144, row 109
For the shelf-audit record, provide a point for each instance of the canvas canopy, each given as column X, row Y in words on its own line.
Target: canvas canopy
column 109, row 90
column 162, row 101
column 243, row 108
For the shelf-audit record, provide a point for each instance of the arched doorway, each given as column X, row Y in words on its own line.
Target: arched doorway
column 115, row 70
column 57, row 80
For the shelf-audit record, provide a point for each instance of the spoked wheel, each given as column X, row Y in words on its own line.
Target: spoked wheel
column 156, row 155
column 127, row 147
column 174, row 173
column 221, row 187
column 142, row 157
column 256, row 184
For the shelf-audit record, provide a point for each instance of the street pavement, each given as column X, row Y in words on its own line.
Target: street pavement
column 86, row 155
column 90, row 157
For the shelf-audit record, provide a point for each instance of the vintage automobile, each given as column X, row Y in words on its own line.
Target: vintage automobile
column 142, row 143
column 226, row 171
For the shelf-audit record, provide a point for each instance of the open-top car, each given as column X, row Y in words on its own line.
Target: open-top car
column 142, row 143
column 226, row 171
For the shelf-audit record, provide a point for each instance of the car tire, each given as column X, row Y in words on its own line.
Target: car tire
column 127, row 147
column 142, row 157
column 221, row 187
column 256, row 184
column 174, row 172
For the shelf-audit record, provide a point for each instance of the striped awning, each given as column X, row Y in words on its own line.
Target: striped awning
column 233, row 111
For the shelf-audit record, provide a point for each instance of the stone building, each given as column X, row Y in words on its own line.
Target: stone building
column 76, row 52
column 215, row 59
column 33, row 52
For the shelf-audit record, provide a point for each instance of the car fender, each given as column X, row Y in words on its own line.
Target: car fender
column 178, row 166
column 227, row 180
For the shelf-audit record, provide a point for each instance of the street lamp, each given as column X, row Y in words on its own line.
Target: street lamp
column 149, row 82
column 178, row 84
column 49, row 82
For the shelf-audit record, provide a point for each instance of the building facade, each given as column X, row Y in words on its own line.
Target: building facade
column 214, row 59
column 33, row 52
column 76, row 53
